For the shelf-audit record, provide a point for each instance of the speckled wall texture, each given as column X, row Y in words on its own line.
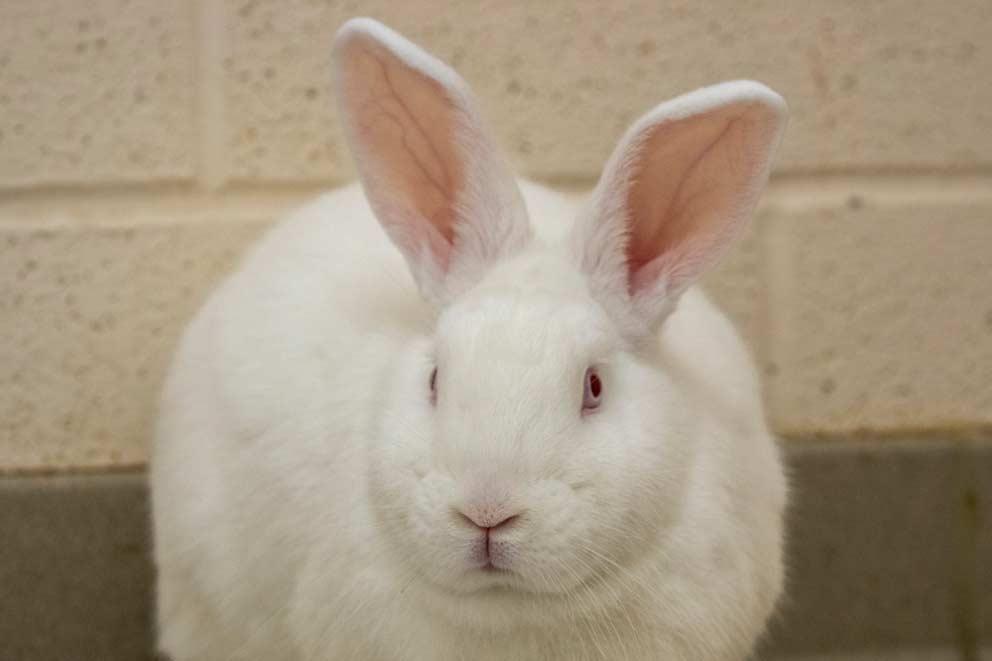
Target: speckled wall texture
column 143, row 144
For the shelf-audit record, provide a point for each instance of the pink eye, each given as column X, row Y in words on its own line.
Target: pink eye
column 592, row 392
column 433, row 383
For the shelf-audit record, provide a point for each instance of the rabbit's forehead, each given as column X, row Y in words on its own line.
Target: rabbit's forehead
column 525, row 328
column 530, row 312
column 543, row 271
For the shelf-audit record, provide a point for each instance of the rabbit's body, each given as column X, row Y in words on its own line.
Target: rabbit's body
column 315, row 500
column 232, row 547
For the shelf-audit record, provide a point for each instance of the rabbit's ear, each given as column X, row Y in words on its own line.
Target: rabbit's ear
column 680, row 186
column 429, row 167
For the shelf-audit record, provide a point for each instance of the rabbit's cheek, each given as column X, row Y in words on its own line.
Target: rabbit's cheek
column 419, row 469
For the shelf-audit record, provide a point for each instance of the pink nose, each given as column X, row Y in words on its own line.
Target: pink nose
column 487, row 519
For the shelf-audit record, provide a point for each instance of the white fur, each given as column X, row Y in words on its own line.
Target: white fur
column 306, row 489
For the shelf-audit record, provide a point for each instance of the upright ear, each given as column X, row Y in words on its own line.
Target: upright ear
column 679, row 188
column 430, row 169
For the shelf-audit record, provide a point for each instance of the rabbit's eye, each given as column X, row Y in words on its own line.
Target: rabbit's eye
column 593, row 391
column 433, row 383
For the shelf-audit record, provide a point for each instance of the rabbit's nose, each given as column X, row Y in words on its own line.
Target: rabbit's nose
column 487, row 518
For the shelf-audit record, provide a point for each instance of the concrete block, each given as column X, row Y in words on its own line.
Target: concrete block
column 96, row 92
column 89, row 315
column 880, row 309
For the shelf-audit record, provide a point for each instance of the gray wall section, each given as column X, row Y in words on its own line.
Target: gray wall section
column 75, row 576
column 888, row 549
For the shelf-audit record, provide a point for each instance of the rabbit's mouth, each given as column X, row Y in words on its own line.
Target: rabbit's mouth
column 478, row 580
column 490, row 574
column 504, row 599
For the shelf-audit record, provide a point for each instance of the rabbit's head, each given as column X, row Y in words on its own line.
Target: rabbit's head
column 530, row 449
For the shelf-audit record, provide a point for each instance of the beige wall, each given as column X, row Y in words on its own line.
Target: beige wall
column 144, row 143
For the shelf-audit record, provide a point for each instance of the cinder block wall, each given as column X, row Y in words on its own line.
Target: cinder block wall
column 144, row 144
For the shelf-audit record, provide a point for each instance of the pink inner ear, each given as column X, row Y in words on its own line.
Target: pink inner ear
column 689, row 195
column 407, row 151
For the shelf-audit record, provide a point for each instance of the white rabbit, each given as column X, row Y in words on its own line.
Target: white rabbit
column 542, row 445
